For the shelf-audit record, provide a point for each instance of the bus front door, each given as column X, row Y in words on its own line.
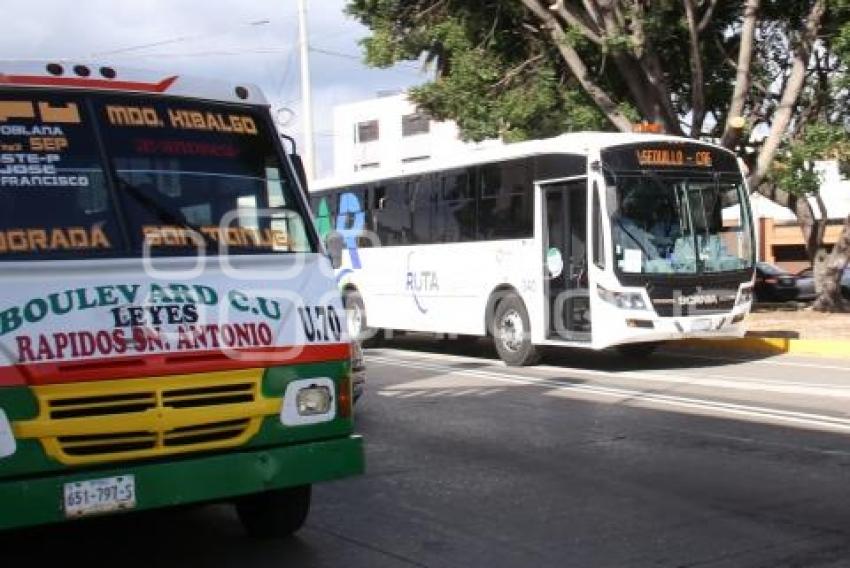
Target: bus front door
column 565, row 260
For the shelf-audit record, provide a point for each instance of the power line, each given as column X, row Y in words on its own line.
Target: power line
column 251, row 51
column 172, row 40
column 333, row 53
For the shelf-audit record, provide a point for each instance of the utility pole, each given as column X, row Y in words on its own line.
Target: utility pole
column 306, row 103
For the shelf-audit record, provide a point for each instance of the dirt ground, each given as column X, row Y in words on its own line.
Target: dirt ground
column 797, row 323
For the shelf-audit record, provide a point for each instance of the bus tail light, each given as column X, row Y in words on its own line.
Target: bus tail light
column 344, row 398
column 7, row 437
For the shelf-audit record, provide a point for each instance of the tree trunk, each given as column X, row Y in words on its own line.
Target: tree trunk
column 815, row 247
column 742, row 80
column 830, row 299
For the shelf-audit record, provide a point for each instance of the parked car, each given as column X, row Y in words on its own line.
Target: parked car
column 774, row 284
column 806, row 284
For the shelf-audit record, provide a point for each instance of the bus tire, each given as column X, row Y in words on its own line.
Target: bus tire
column 355, row 319
column 511, row 331
column 637, row 351
column 274, row 514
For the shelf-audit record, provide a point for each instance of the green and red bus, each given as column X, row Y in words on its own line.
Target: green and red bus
column 170, row 328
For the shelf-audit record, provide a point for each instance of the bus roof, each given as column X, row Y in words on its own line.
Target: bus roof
column 581, row 143
column 102, row 77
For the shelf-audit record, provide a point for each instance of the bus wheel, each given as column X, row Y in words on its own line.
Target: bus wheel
column 512, row 333
column 637, row 350
column 274, row 514
column 355, row 317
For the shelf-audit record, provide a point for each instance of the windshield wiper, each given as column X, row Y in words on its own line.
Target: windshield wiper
column 164, row 213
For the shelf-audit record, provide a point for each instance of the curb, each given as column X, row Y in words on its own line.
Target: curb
column 775, row 346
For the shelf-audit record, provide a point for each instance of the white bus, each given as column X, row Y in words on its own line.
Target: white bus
column 584, row 240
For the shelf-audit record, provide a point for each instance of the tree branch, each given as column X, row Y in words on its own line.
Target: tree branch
column 743, row 76
column 697, row 80
column 578, row 68
column 793, row 88
column 516, row 70
column 575, row 20
column 706, row 17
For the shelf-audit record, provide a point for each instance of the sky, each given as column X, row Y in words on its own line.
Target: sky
column 242, row 41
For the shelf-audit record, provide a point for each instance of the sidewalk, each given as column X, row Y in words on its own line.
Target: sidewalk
column 797, row 324
column 777, row 330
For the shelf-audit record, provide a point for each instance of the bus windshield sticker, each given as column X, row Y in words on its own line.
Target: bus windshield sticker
column 554, row 262
column 632, row 260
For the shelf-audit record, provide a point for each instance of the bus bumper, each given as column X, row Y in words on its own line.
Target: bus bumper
column 643, row 329
column 39, row 500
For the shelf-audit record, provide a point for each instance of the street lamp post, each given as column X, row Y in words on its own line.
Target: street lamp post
column 307, row 106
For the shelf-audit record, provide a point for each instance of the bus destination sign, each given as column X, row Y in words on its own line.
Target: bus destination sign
column 673, row 157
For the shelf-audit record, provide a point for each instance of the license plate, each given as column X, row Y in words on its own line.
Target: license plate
column 96, row 496
column 703, row 324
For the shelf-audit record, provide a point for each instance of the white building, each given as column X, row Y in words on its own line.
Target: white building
column 389, row 131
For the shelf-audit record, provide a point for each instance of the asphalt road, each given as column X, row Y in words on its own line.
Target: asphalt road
column 586, row 460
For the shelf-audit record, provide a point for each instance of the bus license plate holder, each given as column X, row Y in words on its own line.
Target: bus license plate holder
column 701, row 324
column 97, row 496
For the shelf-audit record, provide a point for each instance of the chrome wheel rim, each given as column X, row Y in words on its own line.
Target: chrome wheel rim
column 511, row 331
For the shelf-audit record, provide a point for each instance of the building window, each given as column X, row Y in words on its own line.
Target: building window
column 367, row 131
column 414, row 159
column 416, row 123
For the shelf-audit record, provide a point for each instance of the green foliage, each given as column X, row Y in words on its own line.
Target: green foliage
column 498, row 73
column 794, row 171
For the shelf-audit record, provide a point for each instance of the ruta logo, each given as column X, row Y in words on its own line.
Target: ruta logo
column 418, row 282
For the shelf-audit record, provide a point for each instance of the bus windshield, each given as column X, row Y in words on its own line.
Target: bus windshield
column 170, row 177
column 681, row 223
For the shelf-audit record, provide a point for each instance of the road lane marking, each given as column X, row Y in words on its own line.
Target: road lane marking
column 775, row 361
column 630, row 397
column 733, row 382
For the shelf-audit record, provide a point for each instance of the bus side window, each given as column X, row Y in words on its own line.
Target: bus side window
column 505, row 208
column 379, row 198
column 454, row 212
column 598, row 237
column 422, row 198
column 393, row 221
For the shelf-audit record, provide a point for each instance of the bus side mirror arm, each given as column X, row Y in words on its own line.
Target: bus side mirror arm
column 334, row 245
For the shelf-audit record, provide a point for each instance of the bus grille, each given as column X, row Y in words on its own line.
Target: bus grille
column 142, row 418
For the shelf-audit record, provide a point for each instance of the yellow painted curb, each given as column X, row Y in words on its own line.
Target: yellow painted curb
column 775, row 345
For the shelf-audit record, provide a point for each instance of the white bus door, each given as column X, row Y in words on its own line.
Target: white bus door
column 565, row 260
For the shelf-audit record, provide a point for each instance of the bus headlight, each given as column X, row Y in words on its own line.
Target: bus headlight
column 313, row 400
column 623, row 300
column 308, row 401
column 745, row 296
column 7, row 437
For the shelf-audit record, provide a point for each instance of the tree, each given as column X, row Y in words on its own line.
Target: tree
column 837, row 146
column 764, row 77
